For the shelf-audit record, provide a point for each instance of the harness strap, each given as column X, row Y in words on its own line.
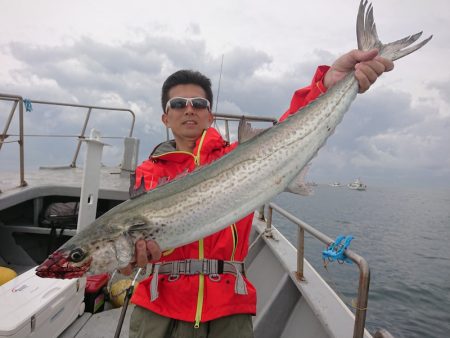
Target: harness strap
column 154, row 284
column 198, row 266
column 211, row 267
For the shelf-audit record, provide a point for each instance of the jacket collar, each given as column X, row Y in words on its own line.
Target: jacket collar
column 209, row 141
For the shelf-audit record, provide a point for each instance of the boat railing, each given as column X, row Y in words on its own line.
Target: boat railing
column 19, row 102
column 364, row 272
column 227, row 118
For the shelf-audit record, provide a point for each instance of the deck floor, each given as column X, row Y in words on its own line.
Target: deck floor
column 99, row 325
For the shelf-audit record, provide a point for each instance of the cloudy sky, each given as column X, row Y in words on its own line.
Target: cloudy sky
column 116, row 53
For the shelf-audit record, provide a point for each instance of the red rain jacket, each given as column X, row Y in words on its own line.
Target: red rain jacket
column 196, row 298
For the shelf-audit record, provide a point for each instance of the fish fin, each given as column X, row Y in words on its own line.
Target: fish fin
column 162, row 180
column 298, row 185
column 138, row 227
column 185, row 172
column 137, row 224
column 124, row 247
column 367, row 36
column 246, row 132
column 140, row 190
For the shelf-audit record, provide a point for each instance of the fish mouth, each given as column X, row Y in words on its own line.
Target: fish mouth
column 58, row 266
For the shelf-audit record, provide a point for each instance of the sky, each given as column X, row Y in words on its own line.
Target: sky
column 112, row 53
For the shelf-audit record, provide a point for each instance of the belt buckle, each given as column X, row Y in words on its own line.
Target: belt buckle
column 195, row 267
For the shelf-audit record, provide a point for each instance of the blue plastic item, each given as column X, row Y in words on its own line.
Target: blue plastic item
column 28, row 106
column 335, row 250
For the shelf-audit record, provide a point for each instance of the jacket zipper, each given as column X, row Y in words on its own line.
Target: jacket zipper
column 234, row 234
column 201, row 253
column 201, row 288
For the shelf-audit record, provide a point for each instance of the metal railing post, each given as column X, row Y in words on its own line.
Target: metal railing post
column 300, row 253
column 363, row 293
column 227, row 131
column 8, row 123
column 261, row 213
column 133, row 120
column 269, row 219
column 21, row 146
column 80, row 139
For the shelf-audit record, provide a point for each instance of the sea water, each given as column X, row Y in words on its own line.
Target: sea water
column 404, row 234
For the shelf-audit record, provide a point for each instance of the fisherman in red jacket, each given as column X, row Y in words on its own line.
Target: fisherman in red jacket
column 200, row 289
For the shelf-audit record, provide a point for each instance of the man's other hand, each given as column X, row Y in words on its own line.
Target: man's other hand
column 145, row 251
column 368, row 66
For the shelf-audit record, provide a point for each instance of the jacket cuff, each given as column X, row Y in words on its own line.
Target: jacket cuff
column 318, row 78
column 307, row 94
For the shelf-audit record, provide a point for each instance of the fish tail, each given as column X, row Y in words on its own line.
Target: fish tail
column 366, row 33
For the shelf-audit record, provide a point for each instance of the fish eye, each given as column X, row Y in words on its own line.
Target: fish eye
column 77, row 255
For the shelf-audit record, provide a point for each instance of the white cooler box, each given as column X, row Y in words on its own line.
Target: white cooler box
column 31, row 306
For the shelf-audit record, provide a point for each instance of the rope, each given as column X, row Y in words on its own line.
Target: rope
column 254, row 242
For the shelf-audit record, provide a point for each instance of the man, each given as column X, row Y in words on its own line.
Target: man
column 173, row 302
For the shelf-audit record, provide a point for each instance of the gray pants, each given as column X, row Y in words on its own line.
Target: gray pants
column 145, row 323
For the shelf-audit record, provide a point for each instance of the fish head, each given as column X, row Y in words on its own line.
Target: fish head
column 66, row 263
column 74, row 261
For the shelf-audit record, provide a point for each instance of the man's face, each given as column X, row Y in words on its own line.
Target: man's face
column 187, row 123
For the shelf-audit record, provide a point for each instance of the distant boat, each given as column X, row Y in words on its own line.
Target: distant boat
column 336, row 184
column 357, row 185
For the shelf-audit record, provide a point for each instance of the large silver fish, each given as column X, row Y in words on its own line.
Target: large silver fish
column 212, row 197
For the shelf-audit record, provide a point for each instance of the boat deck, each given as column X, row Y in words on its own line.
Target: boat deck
column 65, row 181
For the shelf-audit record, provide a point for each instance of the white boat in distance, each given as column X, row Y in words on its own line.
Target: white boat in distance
column 336, row 184
column 357, row 185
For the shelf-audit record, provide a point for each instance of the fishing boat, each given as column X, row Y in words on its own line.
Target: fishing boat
column 293, row 299
column 357, row 185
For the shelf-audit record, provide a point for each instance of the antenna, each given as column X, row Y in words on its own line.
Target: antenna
column 218, row 87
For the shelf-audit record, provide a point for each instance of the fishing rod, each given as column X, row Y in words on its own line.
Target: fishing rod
column 126, row 301
column 227, row 130
column 218, row 87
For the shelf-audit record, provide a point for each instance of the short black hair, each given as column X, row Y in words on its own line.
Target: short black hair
column 186, row 76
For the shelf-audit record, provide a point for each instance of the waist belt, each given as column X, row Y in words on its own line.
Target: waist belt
column 213, row 268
